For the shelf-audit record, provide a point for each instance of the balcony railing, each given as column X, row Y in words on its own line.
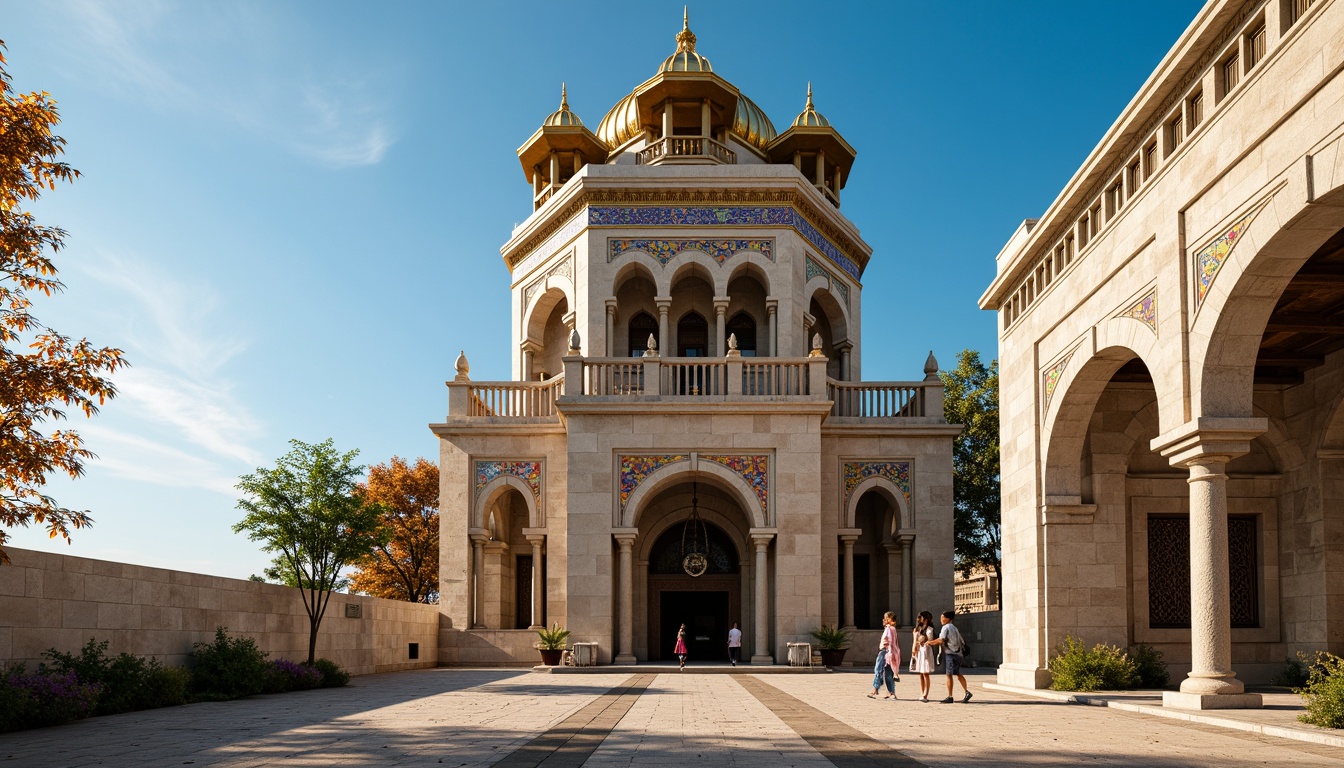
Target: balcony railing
column 685, row 148
column 728, row 380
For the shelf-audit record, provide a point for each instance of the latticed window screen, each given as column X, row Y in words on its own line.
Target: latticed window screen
column 1169, row 572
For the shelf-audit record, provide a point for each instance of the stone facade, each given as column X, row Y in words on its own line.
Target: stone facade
column 1171, row 374
column 686, row 315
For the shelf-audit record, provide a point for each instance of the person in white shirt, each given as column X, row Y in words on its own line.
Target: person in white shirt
column 734, row 644
column 953, row 648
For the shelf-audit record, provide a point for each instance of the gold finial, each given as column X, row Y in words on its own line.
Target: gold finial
column 564, row 97
column 809, row 95
column 685, row 38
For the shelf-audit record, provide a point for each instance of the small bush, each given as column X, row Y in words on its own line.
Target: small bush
column 1324, row 691
column 1100, row 668
column 1294, row 673
column 1148, row 663
column 126, row 683
column 13, row 701
column 228, row 668
column 332, row 674
column 283, row 676
column 38, row 700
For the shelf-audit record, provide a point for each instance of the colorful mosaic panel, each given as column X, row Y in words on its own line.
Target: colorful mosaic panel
column 667, row 250
column 1144, row 310
column 754, row 469
column 527, row 471
column 635, row 468
column 1052, row 377
column 1210, row 260
column 812, row 269
column 855, row 472
column 664, row 216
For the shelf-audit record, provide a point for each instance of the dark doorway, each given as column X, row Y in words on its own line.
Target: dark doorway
column 692, row 336
column 863, row 604
column 522, row 591
column 705, row 615
column 642, row 326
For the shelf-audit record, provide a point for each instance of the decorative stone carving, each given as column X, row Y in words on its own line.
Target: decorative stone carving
column 462, row 366
column 652, row 351
column 667, row 250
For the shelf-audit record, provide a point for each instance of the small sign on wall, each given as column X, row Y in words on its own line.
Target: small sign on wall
column 354, row 611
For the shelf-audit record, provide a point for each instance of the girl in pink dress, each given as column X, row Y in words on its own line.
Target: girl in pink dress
column 888, row 667
column 680, row 650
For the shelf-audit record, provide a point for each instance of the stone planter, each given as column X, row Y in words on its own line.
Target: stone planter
column 552, row 658
column 832, row 658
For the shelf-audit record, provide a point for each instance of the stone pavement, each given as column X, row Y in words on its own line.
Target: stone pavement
column 515, row 718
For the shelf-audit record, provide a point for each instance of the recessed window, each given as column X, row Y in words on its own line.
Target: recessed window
column 1135, row 177
column 1084, row 232
column 1094, row 220
column 1115, row 199
column 1150, row 160
column 1255, row 47
column 1294, row 10
column 412, row 650
column 1231, row 73
column 1068, row 249
column 1175, row 132
column 1194, row 109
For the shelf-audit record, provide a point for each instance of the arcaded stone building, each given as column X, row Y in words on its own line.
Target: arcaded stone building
column 687, row 436
column 1171, row 326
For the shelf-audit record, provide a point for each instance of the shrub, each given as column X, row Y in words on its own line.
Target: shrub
column 830, row 638
column 1294, row 673
column 13, row 701
column 1100, row 668
column 228, row 668
column 1148, row 663
column 332, row 674
column 1324, row 691
column 37, row 700
column 283, row 676
column 125, row 682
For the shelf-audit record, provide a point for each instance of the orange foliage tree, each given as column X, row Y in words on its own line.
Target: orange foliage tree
column 41, row 371
column 403, row 563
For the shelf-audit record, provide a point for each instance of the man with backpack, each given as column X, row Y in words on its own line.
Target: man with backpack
column 954, row 650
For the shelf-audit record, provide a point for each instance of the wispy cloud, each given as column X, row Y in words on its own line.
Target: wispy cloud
column 143, row 49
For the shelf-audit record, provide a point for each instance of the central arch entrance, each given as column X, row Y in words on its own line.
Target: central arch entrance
column 706, row 604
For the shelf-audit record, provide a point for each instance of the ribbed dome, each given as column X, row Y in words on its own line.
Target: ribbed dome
column 563, row 116
column 620, row 124
column 686, row 59
column 751, row 123
column 810, row 117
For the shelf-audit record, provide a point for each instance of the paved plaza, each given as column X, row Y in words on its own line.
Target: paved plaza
column 518, row 718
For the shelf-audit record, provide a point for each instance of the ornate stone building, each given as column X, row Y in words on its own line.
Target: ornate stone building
column 687, row 437
column 1173, row 440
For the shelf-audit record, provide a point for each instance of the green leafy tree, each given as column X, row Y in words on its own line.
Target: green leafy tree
column 308, row 511
column 971, row 398
column 41, row 371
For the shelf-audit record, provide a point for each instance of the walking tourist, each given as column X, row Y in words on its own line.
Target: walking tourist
column 888, row 658
column 734, row 644
column 953, row 648
column 680, row 649
column 921, row 653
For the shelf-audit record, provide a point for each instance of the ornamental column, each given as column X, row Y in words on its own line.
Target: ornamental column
column 720, row 323
column 478, row 540
column 847, row 538
column 625, row 540
column 907, row 542
column 611, row 329
column 538, row 581
column 1204, row 446
column 663, row 304
column 894, row 591
column 771, row 309
column 760, row 542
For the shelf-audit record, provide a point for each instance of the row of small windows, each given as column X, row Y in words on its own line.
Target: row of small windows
column 1243, row 54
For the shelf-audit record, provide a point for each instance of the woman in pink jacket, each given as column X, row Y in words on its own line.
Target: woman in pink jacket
column 888, row 665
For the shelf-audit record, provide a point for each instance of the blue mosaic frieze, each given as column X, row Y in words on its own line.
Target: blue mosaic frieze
column 708, row 216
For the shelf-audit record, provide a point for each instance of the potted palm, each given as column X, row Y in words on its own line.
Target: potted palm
column 552, row 644
column 832, row 642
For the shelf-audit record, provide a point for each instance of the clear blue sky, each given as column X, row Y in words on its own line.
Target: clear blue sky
column 291, row 213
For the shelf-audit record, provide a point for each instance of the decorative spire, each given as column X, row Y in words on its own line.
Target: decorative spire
column 574, row 342
column 816, row 346
column 462, row 367
column 564, row 96
column 652, row 350
column 809, row 95
column 931, row 367
column 733, row 351
column 685, row 38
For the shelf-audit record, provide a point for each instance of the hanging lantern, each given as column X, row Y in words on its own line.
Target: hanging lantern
column 694, row 540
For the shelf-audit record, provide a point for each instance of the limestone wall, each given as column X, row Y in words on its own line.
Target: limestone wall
column 984, row 631
column 57, row 601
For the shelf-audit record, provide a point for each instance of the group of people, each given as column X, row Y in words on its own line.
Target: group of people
column 929, row 650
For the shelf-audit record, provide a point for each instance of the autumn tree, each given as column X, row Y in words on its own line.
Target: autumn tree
column 403, row 563
column 309, row 512
column 971, row 398
column 42, row 372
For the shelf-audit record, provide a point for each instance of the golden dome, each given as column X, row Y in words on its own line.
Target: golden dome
column 686, row 59
column 810, row 117
column 751, row 123
column 563, row 116
column 621, row 123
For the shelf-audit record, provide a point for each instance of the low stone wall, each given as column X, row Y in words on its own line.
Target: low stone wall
column 488, row 648
column 57, row 601
column 984, row 631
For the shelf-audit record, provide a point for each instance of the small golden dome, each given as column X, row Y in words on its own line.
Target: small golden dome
column 686, row 59
column 621, row 123
column 563, row 116
column 810, row 117
column 751, row 123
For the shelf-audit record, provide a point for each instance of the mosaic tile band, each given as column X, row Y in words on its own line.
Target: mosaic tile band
column 1144, row 310
column 667, row 250
column 1210, row 260
column 897, row 472
column 634, row 469
column 527, row 471
column 665, row 216
column 755, row 469
column 812, row 269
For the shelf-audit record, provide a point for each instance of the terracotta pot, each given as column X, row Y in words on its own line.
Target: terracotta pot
column 552, row 658
column 832, row 658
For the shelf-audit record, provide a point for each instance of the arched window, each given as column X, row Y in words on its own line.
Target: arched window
column 744, row 327
column 692, row 336
column 642, row 326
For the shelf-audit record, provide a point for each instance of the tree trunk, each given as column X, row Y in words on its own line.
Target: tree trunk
column 312, row 642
